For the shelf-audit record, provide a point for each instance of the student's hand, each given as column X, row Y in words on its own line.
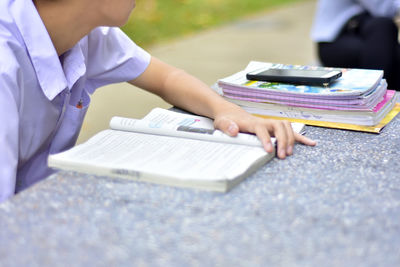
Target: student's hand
column 235, row 121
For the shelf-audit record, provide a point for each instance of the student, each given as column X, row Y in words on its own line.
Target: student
column 359, row 34
column 55, row 53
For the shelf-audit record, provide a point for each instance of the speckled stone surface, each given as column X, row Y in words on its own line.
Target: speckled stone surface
column 337, row 204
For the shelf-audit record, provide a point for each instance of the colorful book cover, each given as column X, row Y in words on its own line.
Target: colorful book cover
column 353, row 83
column 366, row 103
column 259, row 107
column 345, row 126
column 366, row 118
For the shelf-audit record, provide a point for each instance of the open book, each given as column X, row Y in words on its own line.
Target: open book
column 168, row 147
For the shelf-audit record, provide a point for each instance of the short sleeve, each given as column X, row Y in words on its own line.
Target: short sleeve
column 384, row 8
column 113, row 57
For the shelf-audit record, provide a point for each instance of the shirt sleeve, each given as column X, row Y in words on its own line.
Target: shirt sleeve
column 113, row 57
column 381, row 8
column 9, row 134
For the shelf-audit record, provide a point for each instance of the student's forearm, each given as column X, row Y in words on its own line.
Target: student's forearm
column 189, row 93
column 181, row 89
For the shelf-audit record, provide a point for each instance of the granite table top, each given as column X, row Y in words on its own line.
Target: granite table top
column 336, row 204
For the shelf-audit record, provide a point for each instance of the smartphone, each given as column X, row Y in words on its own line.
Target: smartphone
column 296, row 76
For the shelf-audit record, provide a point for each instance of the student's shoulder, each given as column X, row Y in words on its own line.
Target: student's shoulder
column 12, row 51
column 7, row 21
column 11, row 41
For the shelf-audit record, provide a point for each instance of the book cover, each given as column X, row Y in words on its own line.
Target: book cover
column 353, row 83
column 367, row 102
column 345, row 126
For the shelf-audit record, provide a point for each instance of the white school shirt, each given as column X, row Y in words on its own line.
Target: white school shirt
column 39, row 91
column 332, row 15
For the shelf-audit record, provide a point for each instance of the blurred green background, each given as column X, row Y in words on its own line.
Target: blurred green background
column 155, row 21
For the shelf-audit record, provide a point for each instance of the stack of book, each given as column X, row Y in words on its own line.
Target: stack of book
column 359, row 100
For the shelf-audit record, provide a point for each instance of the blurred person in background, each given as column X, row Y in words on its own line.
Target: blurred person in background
column 359, row 34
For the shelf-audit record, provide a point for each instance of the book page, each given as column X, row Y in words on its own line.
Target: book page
column 138, row 154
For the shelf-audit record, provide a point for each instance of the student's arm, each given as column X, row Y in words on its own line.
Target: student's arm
column 381, row 8
column 185, row 91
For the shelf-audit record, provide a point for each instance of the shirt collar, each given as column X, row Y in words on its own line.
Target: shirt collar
column 51, row 75
column 73, row 64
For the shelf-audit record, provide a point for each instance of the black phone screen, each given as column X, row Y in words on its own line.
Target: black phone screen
column 295, row 73
column 301, row 76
